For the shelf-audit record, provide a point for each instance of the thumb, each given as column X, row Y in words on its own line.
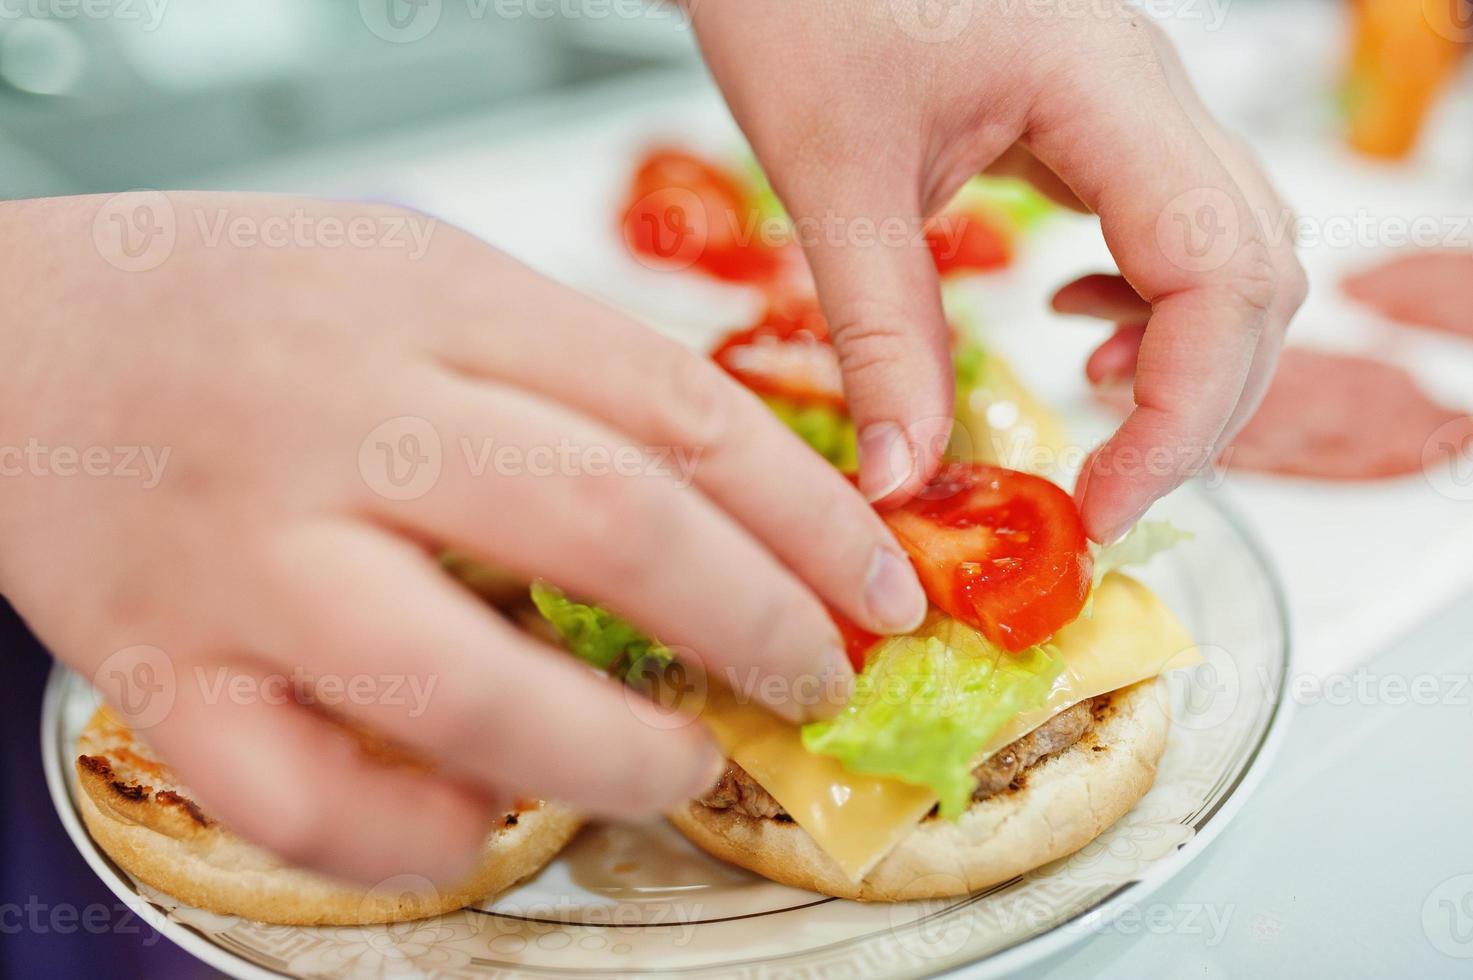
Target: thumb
column 878, row 286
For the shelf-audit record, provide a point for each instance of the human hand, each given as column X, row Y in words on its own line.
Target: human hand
column 865, row 114
column 312, row 415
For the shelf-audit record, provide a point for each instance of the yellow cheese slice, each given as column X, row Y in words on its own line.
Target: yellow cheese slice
column 857, row 819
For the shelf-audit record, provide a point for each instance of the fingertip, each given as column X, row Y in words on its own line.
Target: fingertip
column 886, row 460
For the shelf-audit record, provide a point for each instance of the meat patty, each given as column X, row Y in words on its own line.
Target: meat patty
column 738, row 791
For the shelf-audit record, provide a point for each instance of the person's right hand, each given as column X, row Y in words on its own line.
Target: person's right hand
column 312, row 418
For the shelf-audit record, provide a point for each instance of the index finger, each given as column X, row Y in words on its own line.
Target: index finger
column 664, row 395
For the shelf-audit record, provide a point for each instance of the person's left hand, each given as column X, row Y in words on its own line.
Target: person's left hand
column 868, row 115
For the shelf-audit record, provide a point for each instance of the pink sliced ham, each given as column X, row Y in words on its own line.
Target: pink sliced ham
column 1432, row 288
column 1333, row 416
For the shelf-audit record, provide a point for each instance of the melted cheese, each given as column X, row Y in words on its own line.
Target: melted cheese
column 857, row 819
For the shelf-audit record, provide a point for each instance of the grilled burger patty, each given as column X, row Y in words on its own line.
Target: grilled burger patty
column 741, row 793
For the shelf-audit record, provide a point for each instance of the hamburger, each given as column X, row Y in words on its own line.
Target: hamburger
column 1013, row 727
column 147, row 823
column 1022, row 718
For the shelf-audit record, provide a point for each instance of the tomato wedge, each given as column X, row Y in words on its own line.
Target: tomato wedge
column 683, row 212
column 787, row 354
column 858, row 642
column 1003, row 551
column 968, row 242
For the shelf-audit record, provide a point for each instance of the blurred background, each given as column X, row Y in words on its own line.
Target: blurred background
column 521, row 119
column 108, row 94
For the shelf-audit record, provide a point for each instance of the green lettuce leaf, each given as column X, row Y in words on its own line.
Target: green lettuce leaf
column 970, row 363
column 1142, row 543
column 1016, row 199
column 925, row 705
column 825, row 428
column 597, row 636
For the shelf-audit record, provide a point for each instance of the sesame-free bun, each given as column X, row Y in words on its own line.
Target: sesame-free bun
column 145, row 821
column 1065, row 801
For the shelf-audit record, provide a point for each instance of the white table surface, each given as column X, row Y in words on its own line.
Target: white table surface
column 1352, row 860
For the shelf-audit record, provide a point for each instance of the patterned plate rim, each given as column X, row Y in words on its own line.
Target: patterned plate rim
column 1047, row 941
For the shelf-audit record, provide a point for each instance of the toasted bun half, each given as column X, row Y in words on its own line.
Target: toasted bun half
column 1065, row 802
column 146, row 822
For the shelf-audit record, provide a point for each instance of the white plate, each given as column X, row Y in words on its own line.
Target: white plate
column 639, row 899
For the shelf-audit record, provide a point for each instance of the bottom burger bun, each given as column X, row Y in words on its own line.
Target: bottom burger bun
column 138, row 814
column 1065, row 802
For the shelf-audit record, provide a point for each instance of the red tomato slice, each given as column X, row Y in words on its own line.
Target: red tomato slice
column 968, row 242
column 787, row 354
column 857, row 641
column 1003, row 551
column 683, row 213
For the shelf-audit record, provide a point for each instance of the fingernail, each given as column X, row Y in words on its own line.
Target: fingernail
column 885, row 460
column 1123, row 528
column 892, row 594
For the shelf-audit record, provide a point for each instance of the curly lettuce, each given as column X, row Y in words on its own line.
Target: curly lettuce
column 925, row 705
column 1142, row 543
column 595, row 635
column 826, row 429
column 1015, row 199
